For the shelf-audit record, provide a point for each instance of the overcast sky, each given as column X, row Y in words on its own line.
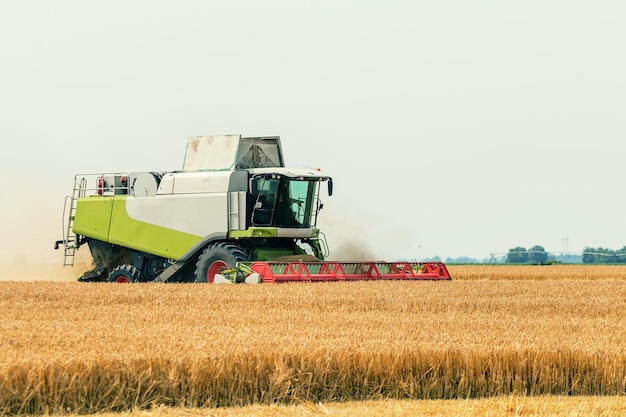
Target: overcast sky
column 451, row 128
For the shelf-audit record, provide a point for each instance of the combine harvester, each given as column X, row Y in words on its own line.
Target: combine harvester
column 234, row 214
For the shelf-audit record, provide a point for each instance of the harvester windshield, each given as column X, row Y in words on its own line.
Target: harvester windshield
column 285, row 202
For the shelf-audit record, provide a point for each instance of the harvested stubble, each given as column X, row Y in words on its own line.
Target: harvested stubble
column 100, row 347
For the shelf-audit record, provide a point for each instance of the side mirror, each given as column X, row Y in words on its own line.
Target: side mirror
column 330, row 187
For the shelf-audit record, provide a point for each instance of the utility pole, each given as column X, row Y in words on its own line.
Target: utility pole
column 564, row 244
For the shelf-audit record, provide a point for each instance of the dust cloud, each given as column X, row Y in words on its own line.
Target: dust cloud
column 347, row 238
column 32, row 224
column 352, row 251
column 18, row 271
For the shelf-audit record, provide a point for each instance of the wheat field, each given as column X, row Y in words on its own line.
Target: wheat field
column 585, row 272
column 492, row 331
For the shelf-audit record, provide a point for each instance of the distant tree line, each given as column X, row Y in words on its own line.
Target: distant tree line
column 604, row 256
column 538, row 255
column 535, row 255
column 518, row 255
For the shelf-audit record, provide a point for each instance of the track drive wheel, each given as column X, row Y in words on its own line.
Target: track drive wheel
column 215, row 258
column 125, row 274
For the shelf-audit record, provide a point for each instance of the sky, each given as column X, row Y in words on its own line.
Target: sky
column 450, row 128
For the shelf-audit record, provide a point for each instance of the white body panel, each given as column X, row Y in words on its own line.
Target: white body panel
column 196, row 214
column 298, row 233
column 290, row 172
column 237, row 210
column 195, row 182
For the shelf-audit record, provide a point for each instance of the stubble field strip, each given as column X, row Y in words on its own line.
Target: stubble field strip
column 502, row 406
column 101, row 347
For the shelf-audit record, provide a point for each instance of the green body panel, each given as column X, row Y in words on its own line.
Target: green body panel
column 95, row 217
column 106, row 219
column 270, row 254
column 264, row 232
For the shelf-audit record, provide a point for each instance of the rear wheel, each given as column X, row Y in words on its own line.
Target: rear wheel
column 125, row 274
column 216, row 258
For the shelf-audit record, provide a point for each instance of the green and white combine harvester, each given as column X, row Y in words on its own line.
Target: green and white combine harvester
column 234, row 213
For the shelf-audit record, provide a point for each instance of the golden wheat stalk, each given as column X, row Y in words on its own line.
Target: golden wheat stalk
column 98, row 347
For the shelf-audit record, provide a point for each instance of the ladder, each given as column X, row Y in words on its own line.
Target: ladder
column 70, row 239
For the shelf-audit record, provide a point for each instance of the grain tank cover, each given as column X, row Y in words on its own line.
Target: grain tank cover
column 230, row 152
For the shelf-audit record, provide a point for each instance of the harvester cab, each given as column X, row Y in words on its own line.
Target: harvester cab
column 234, row 213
